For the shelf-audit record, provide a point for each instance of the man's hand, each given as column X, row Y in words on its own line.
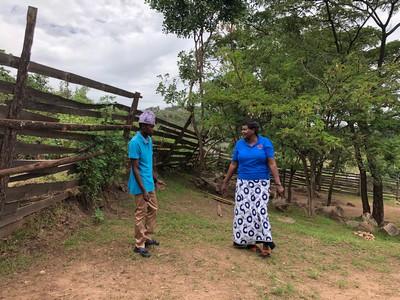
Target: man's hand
column 160, row 185
column 146, row 196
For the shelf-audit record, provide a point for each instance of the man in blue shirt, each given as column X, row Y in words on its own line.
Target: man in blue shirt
column 142, row 183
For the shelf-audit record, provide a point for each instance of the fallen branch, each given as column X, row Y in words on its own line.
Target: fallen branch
column 220, row 199
column 219, row 210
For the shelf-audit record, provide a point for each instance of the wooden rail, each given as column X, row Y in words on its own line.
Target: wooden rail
column 35, row 143
column 350, row 184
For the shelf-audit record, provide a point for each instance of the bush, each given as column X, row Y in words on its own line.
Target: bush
column 100, row 172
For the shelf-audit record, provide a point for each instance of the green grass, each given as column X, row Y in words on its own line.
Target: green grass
column 15, row 254
column 308, row 251
column 10, row 265
column 313, row 274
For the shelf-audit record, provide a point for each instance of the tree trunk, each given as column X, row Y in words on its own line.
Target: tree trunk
column 318, row 179
column 363, row 174
column 377, row 202
column 289, row 187
column 201, row 158
column 331, row 184
column 308, row 175
column 312, row 185
column 364, row 191
column 284, row 181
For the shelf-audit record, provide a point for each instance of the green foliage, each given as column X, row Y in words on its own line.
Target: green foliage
column 187, row 16
column 171, row 91
column 99, row 172
column 39, row 82
column 98, row 216
column 198, row 20
column 5, row 76
column 175, row 115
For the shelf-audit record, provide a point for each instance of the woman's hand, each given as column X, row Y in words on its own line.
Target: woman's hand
column 223, row 189
column 279, row 191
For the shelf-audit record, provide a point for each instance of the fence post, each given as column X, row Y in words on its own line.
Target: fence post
column 132, row 113
column 177, row 140
column 10, row 135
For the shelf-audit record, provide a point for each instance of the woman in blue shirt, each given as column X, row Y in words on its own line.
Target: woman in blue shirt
column 253, row 159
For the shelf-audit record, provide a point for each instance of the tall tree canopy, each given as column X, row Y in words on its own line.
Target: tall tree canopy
column 322, row 77
column 198, row 19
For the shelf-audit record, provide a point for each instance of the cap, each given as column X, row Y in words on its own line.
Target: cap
column 147, row 117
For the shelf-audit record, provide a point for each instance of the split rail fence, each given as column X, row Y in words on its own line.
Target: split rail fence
column 36, row 144
column 350, row 184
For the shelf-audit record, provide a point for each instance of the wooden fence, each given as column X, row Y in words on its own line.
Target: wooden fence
column 36, row 145
column 350, row 184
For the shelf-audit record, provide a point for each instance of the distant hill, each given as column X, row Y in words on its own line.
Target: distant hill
column 175, row 115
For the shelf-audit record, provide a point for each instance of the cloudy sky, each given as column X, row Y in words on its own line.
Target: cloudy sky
column 117, row 42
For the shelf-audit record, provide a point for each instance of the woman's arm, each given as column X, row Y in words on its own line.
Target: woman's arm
column 232, row 169
column 275, row 173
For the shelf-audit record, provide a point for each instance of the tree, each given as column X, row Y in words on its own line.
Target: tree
column 313, row 62
column 380, row 111
column 198, row 20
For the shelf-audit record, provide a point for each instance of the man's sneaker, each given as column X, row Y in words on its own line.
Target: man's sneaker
column 151, row 243
column 142, row 251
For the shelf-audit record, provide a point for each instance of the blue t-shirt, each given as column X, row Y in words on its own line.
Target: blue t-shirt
column 253, row 160
column 141, row 149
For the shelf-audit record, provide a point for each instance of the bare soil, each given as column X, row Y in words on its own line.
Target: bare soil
column 182, row 269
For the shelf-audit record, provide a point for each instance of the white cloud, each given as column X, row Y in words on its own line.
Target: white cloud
column 119, row 43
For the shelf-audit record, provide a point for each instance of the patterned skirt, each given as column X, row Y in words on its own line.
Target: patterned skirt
column 251, row 223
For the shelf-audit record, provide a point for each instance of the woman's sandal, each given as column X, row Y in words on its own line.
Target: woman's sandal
column 265, row 252
column 253, row 248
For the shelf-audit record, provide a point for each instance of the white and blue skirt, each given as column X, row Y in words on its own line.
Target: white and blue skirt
column 251, row 223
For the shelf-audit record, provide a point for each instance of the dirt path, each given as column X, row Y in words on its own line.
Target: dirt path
column 100, row 266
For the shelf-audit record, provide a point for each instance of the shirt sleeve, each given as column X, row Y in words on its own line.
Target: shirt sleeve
column 269, row 149
column 235, row 153
column 133, row 150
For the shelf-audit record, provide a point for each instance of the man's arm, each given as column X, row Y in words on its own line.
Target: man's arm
column 156, row 178
column 135, row 170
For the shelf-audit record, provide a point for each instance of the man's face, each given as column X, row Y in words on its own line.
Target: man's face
column 149, row 129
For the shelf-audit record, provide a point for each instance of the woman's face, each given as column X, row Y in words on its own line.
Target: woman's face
column 246, row 132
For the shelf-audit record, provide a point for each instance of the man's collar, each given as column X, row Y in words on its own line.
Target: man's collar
column 146, row 141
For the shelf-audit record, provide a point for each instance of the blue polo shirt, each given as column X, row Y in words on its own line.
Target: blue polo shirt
column 253, row 160
column 141, row 149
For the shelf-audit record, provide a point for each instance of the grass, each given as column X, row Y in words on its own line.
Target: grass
column 312, row 252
